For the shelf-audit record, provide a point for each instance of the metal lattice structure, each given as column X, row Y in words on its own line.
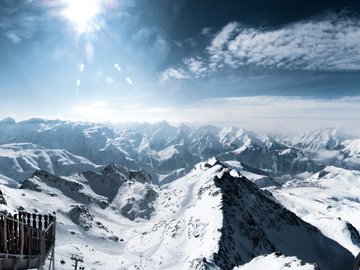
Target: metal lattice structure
column 26, row 241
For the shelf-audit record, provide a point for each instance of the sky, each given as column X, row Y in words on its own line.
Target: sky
column 257, row 64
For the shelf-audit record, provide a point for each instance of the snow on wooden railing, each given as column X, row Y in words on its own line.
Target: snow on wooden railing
column 26, row 234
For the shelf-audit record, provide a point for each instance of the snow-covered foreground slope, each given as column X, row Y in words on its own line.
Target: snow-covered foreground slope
column 330, row 201
column 213, row 218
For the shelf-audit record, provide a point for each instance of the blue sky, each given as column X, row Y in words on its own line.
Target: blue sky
column 257, row 64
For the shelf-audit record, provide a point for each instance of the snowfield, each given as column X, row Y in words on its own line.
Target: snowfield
column 274, row 262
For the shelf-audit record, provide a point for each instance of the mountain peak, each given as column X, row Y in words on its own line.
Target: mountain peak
column 211, row 162
column 7, row 121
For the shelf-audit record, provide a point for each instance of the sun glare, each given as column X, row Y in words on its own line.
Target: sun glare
column 82, row 14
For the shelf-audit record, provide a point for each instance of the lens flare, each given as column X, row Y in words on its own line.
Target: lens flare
column 82, row 14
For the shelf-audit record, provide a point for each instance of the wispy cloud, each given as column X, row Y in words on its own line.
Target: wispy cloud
column 13, row 36
column 18, row 20
column 196, row 66
column 172, row 73
column 330, row 43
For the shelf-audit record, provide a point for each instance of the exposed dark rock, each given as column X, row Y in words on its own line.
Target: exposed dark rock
column 2, row 198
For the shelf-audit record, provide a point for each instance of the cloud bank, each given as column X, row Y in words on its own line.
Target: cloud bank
column 260, row 113
column 331, row 43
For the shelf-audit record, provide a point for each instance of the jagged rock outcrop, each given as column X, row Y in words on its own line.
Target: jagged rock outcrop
column 127, row 192
column 2, row 198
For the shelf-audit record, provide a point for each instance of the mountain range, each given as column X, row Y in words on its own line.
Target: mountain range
column 156, row 196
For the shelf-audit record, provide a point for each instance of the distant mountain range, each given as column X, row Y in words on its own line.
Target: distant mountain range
column 168, row 152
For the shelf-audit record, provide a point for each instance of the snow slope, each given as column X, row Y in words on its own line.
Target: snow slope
column 213, row 218
column 19, row 161
column 330, row 201
column 275, row 262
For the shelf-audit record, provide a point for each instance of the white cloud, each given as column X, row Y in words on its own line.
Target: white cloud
column 13, row 37
column 258, row 113
column 195, row 66
column 17, row 20
column 330, row 44
column 273, row 113
column 206, row 31
column 223, row 37
column 172, row 73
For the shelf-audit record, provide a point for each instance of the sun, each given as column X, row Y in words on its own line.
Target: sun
column 82, row 14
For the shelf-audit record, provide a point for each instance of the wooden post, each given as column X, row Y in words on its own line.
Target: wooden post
column 5, row 236
column 10, row 236
column 35, row 237
column 21, row 239
column 28, row 219
column 1, row 234
column 16, row 235
column 26, row 242
column 34, row 220
column 40, row 222
column 46, row 221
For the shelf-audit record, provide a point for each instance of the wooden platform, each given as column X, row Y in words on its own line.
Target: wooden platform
column 26, row 241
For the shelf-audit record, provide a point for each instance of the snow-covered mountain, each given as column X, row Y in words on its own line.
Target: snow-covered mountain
column 330, row 146
column 151, row 195
column 213, row 218
column 320, row 139
column 160, row 148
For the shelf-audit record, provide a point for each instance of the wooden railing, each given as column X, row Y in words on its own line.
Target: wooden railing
column 26, row 234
